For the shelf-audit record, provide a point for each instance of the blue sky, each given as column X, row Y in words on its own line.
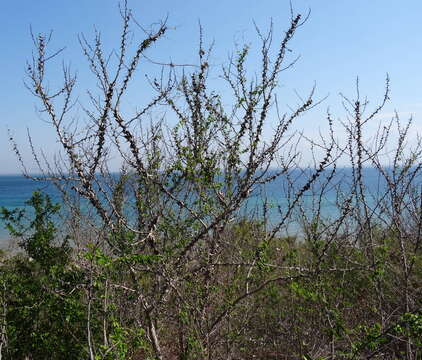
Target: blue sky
column 341, row 40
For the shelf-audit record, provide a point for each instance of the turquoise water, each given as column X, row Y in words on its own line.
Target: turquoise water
column 15, row 190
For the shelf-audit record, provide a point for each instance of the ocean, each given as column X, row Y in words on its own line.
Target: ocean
column 15, row 190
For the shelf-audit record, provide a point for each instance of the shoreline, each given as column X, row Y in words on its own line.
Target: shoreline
column 7, row 242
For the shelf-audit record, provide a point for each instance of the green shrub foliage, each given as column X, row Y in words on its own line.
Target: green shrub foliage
column 42, row 298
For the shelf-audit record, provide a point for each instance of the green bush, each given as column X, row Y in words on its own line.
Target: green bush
column 42, row 297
